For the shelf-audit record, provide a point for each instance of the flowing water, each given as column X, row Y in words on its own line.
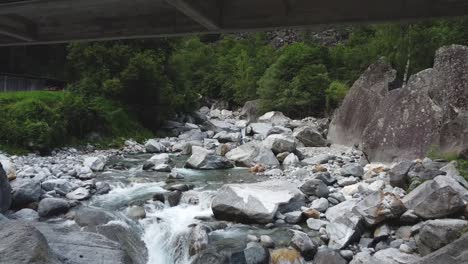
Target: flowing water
column 165, row 230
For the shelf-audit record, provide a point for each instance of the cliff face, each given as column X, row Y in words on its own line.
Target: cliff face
column 431, row 111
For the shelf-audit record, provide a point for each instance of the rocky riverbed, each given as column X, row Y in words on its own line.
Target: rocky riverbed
column 228, row 190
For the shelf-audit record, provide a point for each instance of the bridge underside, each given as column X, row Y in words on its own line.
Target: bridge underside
column 24, row 22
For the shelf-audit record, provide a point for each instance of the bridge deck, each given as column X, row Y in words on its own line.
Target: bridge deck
column 24, row 22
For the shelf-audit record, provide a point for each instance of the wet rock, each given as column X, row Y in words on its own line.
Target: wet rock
column 379, row 206
column 173, row 198
column 279, row 143
column 454, row 253
column 95, row 163
column 26, row 214
column 252, row 153
column 198, row 239
column 102, row 188
column 23, row 244
column 315, row 187
column 157, row 162
column 52, row 206
column 135, row 212
column 267, row 241
column 255, row 253
column 310, row 137
column 256, row 202
column 79, row 194
column 435, row 234
column 329, row 256
column 206, row 160
column 302, row 243
column 153, row 146
column 209, row 257
column 345, row 224
column 25, row 191
column 5, row 191
column 436, row 198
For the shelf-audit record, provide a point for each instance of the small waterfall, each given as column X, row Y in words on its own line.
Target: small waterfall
column 167, row 229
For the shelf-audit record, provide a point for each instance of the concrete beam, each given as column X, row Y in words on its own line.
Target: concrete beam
column 209, row 21
column 17, row 28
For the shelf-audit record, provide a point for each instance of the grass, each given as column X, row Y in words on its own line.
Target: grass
column 462, row 164
column 43, row 120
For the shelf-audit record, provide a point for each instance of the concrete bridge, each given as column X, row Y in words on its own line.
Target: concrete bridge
column 24, row 22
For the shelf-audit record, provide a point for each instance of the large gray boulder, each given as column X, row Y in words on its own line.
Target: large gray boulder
column 280, row 143
column 61, row 186
column 346, row 225
column 203, row 159
column 436, row 198
column 435, row 234
column 329, row 256
column 256, row 202
column 5, row 191
column 252, row 153
column 153, row 146
column 22, row 243
column 25, row 191
column 315, row 187
column 52, row 206
column 379, row 206
column 158, row 162
column 275, row 118
column 95, row 163
column 8, row 166
column 250, row 110
column 394, row 256
column 360, row 104
column 309, row 136
column 454, row 253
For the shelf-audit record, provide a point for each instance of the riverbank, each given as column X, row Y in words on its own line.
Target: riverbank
column 227, row 190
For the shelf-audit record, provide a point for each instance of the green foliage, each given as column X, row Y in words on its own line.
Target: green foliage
column 335, row 94
column 44, row 120
column 462, row 166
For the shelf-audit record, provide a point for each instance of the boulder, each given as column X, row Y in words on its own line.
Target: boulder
column 310, row 137
column 225, row 137
column 379, row 206
column 95, row 163
column 279, row 130
column 454, row 253
column 436, row 198
column 346, row 225
column 22, row 243
column 79, row 194
column 399, row 173
column 329, row 256
column 5, row 191
column 280, row 143
column 61, row 186
column 255, row 253
column 315, row 187
column 424, row 170
column 318, row 159
column 252, row 153
column 286, row 255
column 52, row 206
column 153, row 146
column 394, row 256
column 302, row 243
column 260, row 129
column 361, row 102
column 435, row 234
column 198, row 239
column 135, row 212
column 91, row 216
column 250, row 110
column 211, row 257
column 8, row 167
column 204, row 159
column 275, row 118
column 25, row 191
column 291, row 160
column 26, row 214
column 256, row 202
column 157, row 161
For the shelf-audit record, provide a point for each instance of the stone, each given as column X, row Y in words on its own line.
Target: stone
column 79, row 194
column 363, row 258
column 25, row 191
column 203, row 159
column 209, row 257
column 255, row 253
column 22, row 243
column 9, row 167
column 315, row 187
column 360, row 104
column 291, row 160
column 435, row 234
column 454, row 253
column 347, row 254
column 94, row 163
column 329, row 256
column 293, row 217
column 61, row 186
column 198, row 239
column 275, row 118
column 153, row 146
column 5, row 191
column 157, row 160
column 252, row 153
column 393, row 255
column 256, row 202
column 379, row 206
column 52, row 206
column 346, row 225
column 326, row 177
column 91, row 216
column 225, row 137
column 267, row 241
column 102, row 188
column 26, row 214
column 250, row 110
column 316, row 224
column 399, row 173
column 302, row 243
column 135, row 212
column 280, row 143
column 310, row 137
column 436, row 198
column 409, row 217
column 424, row 171
column 173, row 198
column 319, row 159
column 286, row 255
column 352, row 170
column 279, row 130
column 311, row 213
